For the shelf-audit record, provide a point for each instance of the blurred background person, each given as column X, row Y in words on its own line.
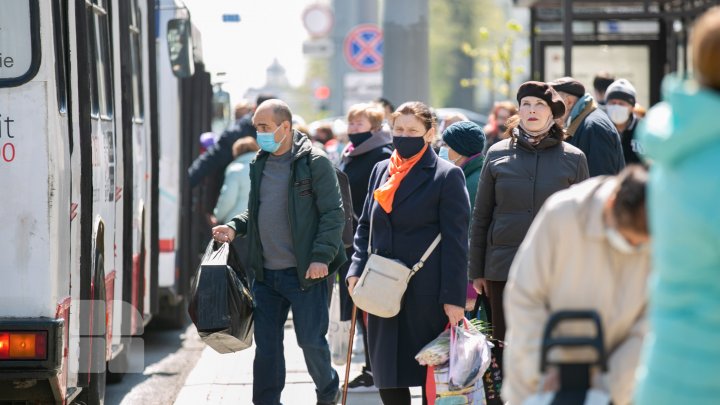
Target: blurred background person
column 497, row 122
column 601, row 81
column 620, row 99
column 369, row 144
column 235, row 191
column 387, row 106
column 520, row 173
column 219, row 155
column 681, row 136
column 589, row 128
column 606, row 270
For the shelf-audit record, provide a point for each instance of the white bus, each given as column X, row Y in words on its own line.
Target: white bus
column 79, row 173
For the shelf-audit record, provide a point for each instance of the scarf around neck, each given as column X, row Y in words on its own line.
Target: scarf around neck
column 398, row 169
column 534, row 137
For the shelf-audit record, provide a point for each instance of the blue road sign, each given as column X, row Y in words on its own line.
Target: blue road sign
column 231, row 18
column 363, row 48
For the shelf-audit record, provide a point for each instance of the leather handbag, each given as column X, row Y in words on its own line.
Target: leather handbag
column 381, row 287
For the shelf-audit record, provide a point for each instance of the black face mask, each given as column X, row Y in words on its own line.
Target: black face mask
column 408, row 146
column 359, row 138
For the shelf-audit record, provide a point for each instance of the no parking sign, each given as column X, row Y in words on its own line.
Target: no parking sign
column 363, row 48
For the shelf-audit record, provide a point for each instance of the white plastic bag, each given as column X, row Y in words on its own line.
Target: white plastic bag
column 469, row 356
column 338, row 331
column 437, row 352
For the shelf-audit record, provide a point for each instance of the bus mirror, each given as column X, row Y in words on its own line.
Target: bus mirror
column 180, row 47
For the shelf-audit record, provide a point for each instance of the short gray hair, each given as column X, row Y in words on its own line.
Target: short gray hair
column 281, row 111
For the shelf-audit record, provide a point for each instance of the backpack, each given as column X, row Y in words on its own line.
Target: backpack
column 344, row 183
column 348, row 234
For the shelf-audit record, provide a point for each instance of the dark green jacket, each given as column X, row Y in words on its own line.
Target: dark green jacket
column 471, row 169
column 315, row 212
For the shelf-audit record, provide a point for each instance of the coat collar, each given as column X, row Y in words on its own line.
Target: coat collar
column 594, row 204
column 473, row 165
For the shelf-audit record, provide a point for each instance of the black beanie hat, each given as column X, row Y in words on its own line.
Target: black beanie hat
column 568, row 85
column 545, row 92
column 465, row 138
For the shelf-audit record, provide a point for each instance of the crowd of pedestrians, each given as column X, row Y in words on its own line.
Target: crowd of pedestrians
column 550, row 207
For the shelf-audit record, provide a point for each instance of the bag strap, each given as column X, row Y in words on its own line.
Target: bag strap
column 419, row 265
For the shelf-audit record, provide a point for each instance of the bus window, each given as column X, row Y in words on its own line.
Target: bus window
column 92, row 60
column 61, row 36
column 19, row 41
column 136, row 60
column 104, row 62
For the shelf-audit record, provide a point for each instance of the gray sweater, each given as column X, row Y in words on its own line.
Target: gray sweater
column 273, row 215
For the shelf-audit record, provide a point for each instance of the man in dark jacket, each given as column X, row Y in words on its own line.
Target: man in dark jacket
column 218, row 156
column 589, row 128
column 620, row 99
column 294, row 225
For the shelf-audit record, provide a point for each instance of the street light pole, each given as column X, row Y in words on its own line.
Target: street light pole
column 406, row 60
column 567, row 35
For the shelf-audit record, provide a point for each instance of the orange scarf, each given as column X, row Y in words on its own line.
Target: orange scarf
column 399, row 168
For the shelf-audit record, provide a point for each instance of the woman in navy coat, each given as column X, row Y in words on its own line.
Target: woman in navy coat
column 412, row 197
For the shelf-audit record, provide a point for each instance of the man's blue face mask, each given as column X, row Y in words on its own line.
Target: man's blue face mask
column 266, row 141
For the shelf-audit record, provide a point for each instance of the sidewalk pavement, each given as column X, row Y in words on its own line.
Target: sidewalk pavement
column 221, row 379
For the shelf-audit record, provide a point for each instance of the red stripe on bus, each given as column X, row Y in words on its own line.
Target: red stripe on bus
column 166, row 245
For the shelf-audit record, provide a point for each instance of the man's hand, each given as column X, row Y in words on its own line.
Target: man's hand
column 351, row 284
column 480, row 285
column 454, row 313
column 223, row 233
column 316, row 270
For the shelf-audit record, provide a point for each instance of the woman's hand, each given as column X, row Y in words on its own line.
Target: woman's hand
column 351, row 284
column 454, row 313
column 223, row 233
column 480, row 285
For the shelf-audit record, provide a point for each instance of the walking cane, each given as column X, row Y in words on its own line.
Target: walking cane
column 349, row 354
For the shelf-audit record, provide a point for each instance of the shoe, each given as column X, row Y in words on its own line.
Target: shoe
column 338, row 396
column 362, row 383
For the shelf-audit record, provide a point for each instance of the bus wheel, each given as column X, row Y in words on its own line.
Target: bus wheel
column 94, row 394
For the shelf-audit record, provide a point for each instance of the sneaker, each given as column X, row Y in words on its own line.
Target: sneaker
column 362, row 383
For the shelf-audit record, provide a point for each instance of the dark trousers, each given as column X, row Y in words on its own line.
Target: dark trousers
column 495, row 293
column 274, row 297
column 399, row 396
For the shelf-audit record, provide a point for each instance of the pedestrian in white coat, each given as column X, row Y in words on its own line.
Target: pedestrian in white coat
column 235, row 192
column 586, row 250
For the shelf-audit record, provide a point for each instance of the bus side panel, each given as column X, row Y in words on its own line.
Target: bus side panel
column 27, row 289
column 169, row 154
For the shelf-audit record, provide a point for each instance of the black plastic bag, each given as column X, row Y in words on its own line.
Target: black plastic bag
column 221, row 306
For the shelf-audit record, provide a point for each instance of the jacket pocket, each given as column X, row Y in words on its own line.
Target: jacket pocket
column 304, row 187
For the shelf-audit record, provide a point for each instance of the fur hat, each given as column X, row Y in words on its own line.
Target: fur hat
column 568, row 85
column 545, row 92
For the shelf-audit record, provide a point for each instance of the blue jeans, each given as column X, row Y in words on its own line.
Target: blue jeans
column 274, row 296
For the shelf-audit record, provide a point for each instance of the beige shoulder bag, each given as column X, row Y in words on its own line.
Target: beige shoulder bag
column 381, row 287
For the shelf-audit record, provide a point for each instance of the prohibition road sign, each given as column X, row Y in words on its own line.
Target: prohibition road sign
column 363, row 48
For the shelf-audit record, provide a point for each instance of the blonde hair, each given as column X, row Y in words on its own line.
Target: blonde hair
column 244, row 145
column 373, row 112
column 706, row 48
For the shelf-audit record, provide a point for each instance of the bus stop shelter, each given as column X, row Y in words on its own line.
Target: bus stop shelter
column 639, row 40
